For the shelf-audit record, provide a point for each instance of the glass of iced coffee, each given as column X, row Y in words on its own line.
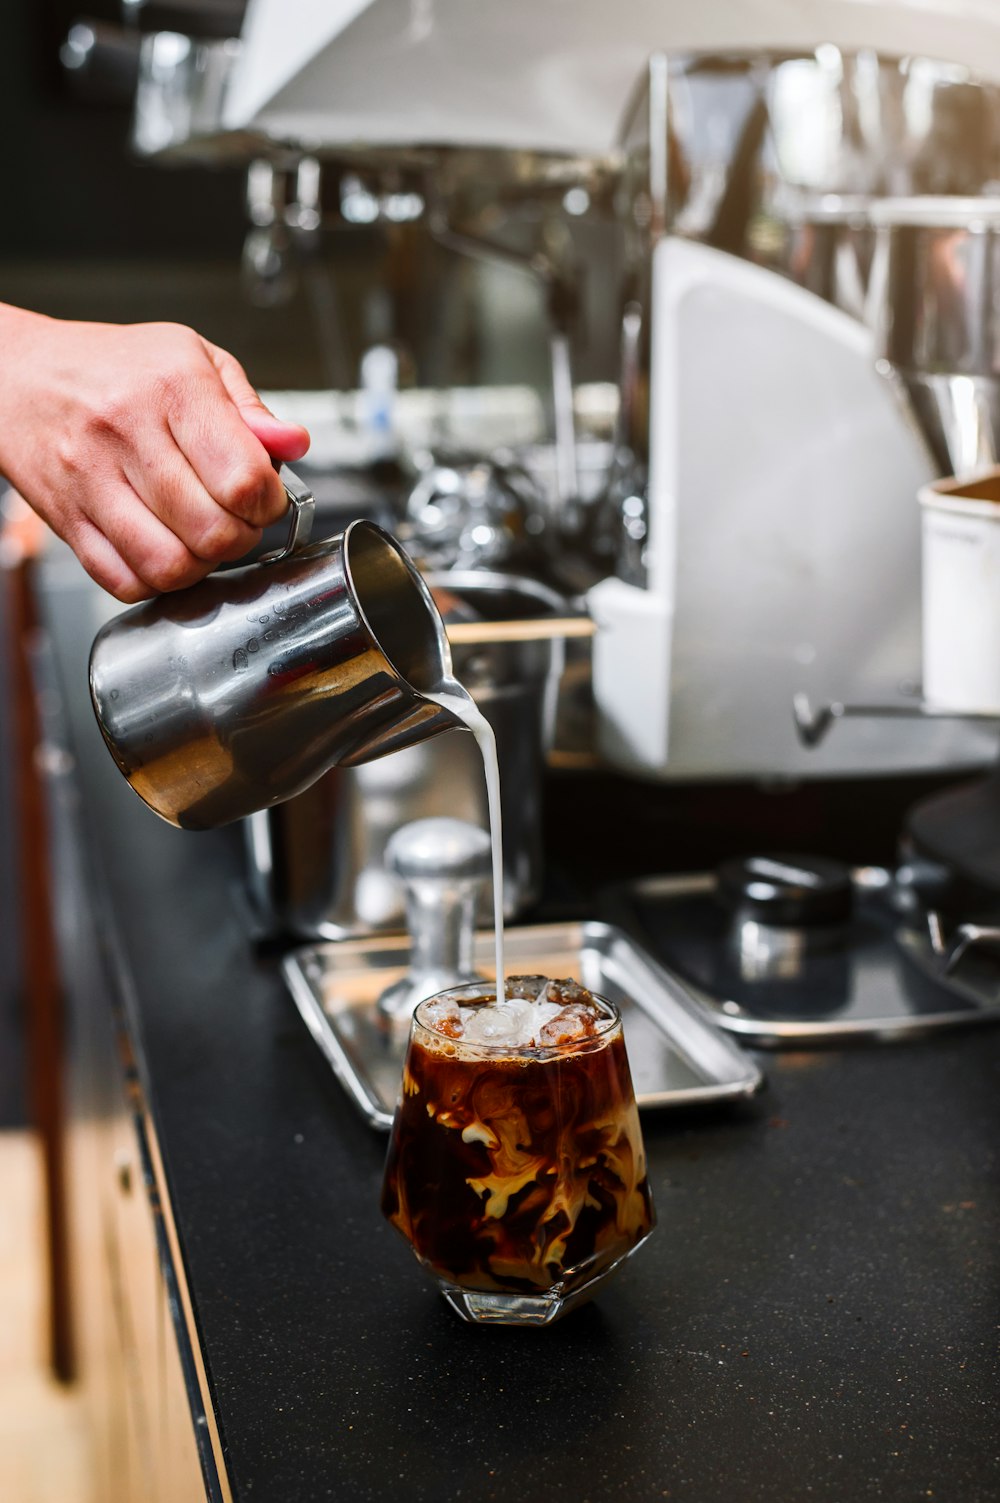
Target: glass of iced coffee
column 516, row 1168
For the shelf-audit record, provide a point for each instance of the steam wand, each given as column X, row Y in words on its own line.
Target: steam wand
column 561, row 283
column 812, row 725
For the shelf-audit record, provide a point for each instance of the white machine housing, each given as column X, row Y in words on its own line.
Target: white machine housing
column 539, row 75
column 784, row 543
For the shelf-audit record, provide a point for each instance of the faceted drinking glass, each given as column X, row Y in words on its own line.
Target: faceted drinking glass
column 516, row 1171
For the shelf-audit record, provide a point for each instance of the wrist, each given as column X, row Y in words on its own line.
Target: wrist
column 21, row 332
column 18, row 323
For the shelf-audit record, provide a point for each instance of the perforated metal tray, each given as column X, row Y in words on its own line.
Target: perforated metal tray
column 677, row 1055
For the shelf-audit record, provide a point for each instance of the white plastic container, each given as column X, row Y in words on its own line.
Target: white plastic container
column 961, row 592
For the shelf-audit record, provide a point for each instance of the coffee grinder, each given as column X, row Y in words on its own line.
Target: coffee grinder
column 933, row 297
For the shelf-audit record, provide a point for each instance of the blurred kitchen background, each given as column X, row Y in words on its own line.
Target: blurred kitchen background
column 93, row 231
column 636, row 375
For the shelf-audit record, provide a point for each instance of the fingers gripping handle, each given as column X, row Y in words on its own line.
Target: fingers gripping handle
column 301, row 507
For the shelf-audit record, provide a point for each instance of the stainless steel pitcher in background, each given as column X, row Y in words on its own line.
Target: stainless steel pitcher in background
column 239, row 692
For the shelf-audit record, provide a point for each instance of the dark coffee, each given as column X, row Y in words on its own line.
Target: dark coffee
column 516, row 1162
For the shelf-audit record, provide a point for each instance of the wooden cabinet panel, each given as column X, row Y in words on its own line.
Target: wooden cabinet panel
column 142, row 1411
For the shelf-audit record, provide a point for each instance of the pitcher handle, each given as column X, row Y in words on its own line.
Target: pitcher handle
column 301, row 506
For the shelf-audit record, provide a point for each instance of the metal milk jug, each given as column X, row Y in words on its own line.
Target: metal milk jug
column 238, row 693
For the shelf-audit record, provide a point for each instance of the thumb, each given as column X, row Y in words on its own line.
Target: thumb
column 282, row 440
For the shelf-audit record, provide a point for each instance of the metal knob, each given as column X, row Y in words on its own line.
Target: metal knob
column 443, row 864
column 788, row 892
column 444, row 850
column 783, row 909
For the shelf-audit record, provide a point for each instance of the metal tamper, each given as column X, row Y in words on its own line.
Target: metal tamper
column 443, row 865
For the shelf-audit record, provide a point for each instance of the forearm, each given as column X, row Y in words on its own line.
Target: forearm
column 20, row 330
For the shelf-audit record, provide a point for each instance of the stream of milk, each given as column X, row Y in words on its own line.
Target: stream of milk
column 459, row 702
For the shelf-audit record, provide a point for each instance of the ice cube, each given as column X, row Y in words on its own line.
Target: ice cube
column 527, row 987
column 576, row 1021
column 566, row 991
column 497, row 1023
column 545, row 1012
column 444, row 1016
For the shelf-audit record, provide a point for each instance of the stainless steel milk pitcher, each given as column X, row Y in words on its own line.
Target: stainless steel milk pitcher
column 239, row 692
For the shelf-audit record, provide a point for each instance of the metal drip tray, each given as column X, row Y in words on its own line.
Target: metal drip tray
column 880, row 980
column 677, row 1055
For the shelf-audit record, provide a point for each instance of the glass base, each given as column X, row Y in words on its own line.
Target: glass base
column 501, row 1308
column 498, row 1309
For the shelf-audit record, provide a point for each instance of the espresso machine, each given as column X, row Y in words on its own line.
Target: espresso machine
column 784, row 948
column 752, row 555
column 741, row 156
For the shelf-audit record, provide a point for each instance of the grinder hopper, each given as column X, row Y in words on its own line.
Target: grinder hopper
column 935, row 306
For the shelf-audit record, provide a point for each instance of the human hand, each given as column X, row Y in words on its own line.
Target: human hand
column 142, row 445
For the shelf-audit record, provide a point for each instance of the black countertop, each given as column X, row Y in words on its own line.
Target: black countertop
column 815, row 1317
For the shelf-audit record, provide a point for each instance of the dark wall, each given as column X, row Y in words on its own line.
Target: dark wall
column 72, row 190
column 89, row 230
